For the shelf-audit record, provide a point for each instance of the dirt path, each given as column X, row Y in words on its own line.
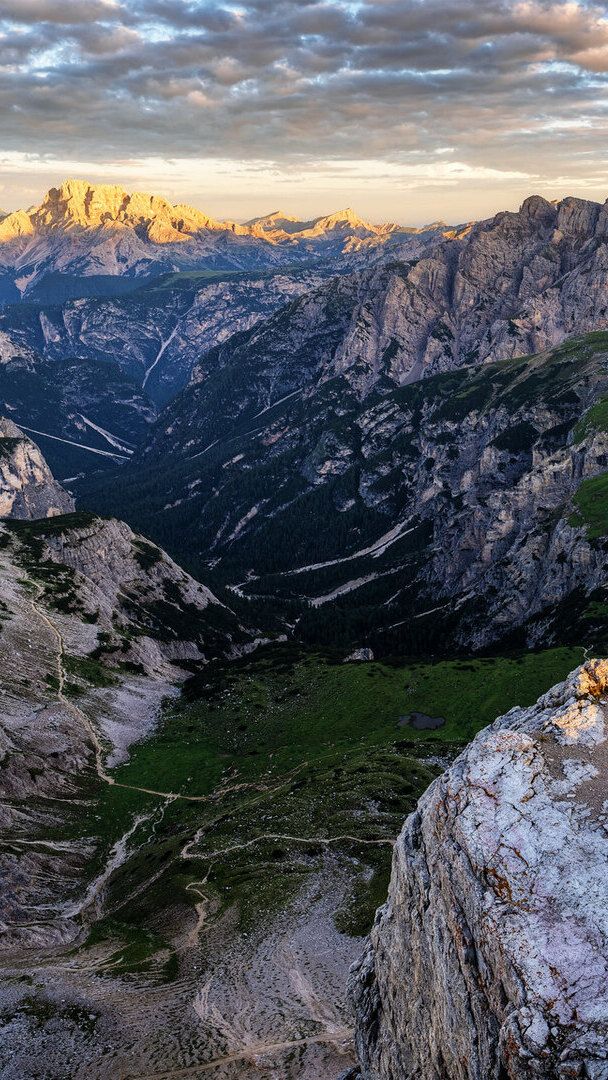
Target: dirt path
column 187, row 853
column 91, row 903
column 97, row 745
column 202, row 910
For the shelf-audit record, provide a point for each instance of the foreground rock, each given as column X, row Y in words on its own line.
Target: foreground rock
column 27, row 486
column 490, row 959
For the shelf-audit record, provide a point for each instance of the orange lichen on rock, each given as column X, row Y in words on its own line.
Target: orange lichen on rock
column 593, row 679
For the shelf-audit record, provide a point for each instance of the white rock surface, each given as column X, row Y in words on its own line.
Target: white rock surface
column 27, row 486
column 490, row 959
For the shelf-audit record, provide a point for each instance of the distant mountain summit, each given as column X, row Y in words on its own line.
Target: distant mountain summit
column 83, row 237
column 282, row 228
column 77, row 203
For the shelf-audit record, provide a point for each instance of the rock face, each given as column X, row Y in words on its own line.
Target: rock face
column 27, row 486
column 510, row 286
column 489, row 959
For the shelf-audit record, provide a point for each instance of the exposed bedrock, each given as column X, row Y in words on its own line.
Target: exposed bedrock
column 489, row 960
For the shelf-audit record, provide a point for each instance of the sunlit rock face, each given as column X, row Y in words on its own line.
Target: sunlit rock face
column 489, row 960
column 27, row 486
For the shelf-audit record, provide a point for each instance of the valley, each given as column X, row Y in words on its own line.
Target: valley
column 319, row 501
column 232, row 904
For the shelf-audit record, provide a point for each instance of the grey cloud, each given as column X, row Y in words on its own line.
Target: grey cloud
column 63, row 12
column 286, row 79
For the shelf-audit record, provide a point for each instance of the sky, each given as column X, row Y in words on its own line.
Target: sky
column 406, row 110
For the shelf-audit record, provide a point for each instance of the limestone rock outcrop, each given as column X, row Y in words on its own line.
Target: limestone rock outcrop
column 489, row 960
column 27, row 486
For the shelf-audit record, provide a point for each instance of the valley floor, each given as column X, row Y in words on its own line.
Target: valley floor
column 236, row 860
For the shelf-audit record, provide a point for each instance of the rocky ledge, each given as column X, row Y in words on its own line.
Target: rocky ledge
column 27, row 486
column 489, row 960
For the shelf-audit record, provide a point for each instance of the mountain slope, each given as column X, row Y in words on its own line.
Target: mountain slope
column 430, row 516
column 97, row 625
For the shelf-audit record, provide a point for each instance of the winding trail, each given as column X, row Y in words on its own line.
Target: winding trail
column 97, row 745
column 91, row 906
column 187, row 854
column 201, row 908
column 91, row 902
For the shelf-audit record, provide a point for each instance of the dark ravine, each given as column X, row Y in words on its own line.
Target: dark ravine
column 489, row 959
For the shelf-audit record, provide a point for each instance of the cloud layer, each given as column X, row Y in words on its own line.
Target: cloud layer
column 500, row 88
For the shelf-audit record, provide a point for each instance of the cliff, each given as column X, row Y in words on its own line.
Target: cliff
column 489, row 960
column 27, row 486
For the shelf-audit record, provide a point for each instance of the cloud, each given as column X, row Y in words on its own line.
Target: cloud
column 517, row 89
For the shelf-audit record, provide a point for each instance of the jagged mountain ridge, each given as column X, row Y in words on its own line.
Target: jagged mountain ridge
column 513, row 285
column 508, row 286
column 276, row 422
column 102, row 232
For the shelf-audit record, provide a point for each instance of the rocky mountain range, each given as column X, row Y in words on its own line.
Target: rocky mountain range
column 509, row 286
column 88, row 239
column 354, row 481
column 341, row 455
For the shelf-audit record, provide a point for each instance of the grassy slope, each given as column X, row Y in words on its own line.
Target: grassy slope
column 320, row 747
